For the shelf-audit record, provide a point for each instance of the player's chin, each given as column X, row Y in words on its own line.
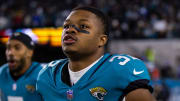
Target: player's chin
column 13, row 68
column 68, row 47
column 69, row 50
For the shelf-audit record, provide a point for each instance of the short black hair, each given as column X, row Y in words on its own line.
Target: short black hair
column 99, row 14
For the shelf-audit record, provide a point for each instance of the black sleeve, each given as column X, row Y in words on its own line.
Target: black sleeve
column 142, row 83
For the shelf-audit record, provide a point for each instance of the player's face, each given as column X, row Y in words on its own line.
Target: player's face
column 82, row 33
column 16, row 54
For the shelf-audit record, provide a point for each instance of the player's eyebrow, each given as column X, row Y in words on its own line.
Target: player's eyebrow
column 67, row 20
column 81, row 20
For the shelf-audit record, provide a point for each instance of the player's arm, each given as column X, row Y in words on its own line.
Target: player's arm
column 139, row 86
column 139, row 95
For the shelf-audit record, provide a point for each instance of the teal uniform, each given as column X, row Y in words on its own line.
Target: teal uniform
column 24, row 89
column 110, row 79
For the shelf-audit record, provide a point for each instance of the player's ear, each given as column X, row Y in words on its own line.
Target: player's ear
column 103, row 40
column 30, row 53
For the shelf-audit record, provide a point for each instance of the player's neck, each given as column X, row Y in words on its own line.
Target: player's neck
column 80, row 64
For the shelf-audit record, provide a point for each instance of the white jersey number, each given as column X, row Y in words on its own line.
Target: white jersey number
column 53, row 63
column 126, row 59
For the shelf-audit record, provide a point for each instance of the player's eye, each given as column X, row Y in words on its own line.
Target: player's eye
column 66, row 26
column 83, row 26
column 18, row 47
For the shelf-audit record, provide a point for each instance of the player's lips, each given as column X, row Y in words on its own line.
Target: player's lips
column 12, row 63
column 69, row 39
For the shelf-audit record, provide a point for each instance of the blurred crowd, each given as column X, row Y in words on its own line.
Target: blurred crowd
column 166, row 80
column 129, row 19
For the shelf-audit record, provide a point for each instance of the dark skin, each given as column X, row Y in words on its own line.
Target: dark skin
column 86, row 48
column 18, row 57
column 83, row 49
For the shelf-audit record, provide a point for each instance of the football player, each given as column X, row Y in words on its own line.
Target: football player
column 18, row 77
column 89, row 73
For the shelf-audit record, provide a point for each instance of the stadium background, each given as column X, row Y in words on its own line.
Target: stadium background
column 147, row 29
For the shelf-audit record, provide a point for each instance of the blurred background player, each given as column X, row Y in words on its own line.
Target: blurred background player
column 18, row 76
column 90, row 74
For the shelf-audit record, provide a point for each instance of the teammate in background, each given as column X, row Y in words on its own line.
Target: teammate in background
column 19, row 76
column 90, row 74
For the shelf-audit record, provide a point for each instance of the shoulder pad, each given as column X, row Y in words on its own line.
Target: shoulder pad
column 3, row 67
column 53, row 63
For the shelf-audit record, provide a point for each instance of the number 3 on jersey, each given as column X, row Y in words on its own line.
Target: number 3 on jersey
column 126, row 59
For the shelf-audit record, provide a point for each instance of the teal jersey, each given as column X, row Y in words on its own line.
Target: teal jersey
column 24, row 89
column 110, row 79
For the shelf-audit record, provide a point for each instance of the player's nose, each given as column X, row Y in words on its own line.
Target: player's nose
column 10, row 52
column 71, row 30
